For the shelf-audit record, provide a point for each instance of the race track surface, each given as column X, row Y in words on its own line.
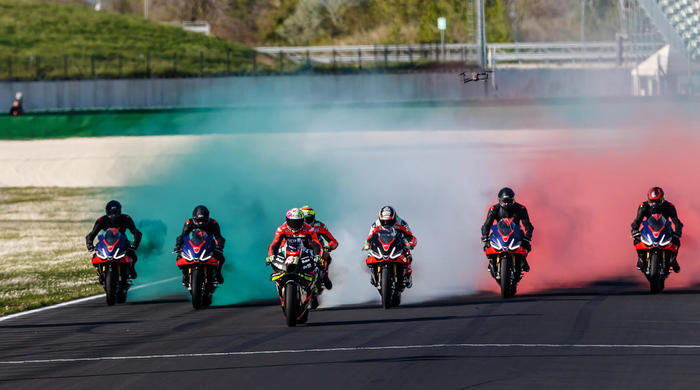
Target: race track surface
column 607, row 335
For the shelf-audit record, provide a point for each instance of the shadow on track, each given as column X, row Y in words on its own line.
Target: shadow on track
column 67, row 324
column 416, row 319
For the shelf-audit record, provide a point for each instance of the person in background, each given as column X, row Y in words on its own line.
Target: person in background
column 16, row 109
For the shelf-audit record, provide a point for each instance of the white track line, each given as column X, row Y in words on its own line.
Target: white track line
column 353, row 349
column 59, row 305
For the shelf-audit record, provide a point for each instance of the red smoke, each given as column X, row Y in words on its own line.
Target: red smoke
column 582, row 203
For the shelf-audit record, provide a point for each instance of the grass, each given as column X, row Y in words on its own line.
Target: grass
column 43, row 260
column 53, row 40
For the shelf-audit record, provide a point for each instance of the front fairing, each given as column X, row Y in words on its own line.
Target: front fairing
column 198, row 248
column 294, row 261
column 387, row 245
column 111, row 246
column 656, row 233
column 505, row 237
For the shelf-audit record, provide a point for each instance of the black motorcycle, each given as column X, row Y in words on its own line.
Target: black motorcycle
column 388, row 261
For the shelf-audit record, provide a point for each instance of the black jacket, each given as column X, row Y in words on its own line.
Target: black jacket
column 212, row 228
column 667, row 209
column 122, row 221
column 518, row 212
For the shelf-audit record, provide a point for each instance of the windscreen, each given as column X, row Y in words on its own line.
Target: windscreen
column 504, row 228
column 294, row 244
column 657, row 223
column 386, row 235
column 197, row 237
column 111, row 236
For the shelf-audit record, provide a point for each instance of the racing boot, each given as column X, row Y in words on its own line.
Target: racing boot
column 373, row 278
column 219, row 276
column 185, row 279
column 526, row 266
column 408, row 280
column 492, row 268
column 640, row 263
column 674, row 265
column 132, row 272
column 327, row 281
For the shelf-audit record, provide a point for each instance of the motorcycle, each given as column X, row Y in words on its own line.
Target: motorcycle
column 112, row 263
column 198, row 257
column 506, row 255
column 388, row 262
column 656, row 250
column 296, row 273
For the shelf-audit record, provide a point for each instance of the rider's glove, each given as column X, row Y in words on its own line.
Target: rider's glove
column 319, row 260
column 636, row 233
column 486, row 241
column 177, row 249
column 90, row 247
column 676, row 235
column 326, row 249
column 132, row 247
column 268, row 259
column 365, row 247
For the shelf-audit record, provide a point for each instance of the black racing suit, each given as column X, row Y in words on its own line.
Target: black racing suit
column 212, row 228
column 668, row 210
column 122, row 222
column 519, row 215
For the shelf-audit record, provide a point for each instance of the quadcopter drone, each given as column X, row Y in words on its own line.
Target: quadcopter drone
column 482, row 76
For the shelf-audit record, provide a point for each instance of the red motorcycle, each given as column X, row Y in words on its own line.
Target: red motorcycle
column 388, row 262
column 113, row 264
column 657, row 250
column 506, row 255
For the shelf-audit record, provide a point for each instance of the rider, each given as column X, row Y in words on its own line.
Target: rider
column 295, row 227
column 507, row 207
column 115, row 219
column 329, row 242
column 656, row 204
column 201, row 220
column 388, row 217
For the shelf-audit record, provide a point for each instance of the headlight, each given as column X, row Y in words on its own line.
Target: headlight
column 376, row 255
column 514, row 245
column 392, row 255
column 102, row 254
column 187, row 255
column 496, row 245
column 646, row 240
column 206, row 258
column 662, row 242
column 117, row 255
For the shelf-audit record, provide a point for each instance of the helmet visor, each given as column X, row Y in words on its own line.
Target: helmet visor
column 295, row 224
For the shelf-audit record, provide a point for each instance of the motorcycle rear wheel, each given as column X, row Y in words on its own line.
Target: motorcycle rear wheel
column 198, row 289
column 507, row 288
column 656, row 281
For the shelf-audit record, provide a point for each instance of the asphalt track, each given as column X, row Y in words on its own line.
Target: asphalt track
column 606, row 335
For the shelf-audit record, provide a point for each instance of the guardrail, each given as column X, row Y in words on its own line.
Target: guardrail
column 624, row 53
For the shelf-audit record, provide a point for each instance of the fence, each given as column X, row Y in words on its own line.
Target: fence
column 275, row 60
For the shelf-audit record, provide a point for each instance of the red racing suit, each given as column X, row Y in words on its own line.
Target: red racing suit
column 403, row 227
column 327, row 239
column 307, row 233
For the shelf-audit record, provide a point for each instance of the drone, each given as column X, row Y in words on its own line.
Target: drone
column 482, row 76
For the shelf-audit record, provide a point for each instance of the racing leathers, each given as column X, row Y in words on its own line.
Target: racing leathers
column 668, row 210
column 213, row 229
column 306, row 233
column 518, row 213
column 122, row 222
column 411, row 241
column 329, row 244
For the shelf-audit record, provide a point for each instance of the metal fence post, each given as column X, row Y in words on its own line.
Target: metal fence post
column 92, row 66
column 359, row 58
column 410, row 55
column 333, row 59
column 386, row 56
column 281, row 62
column 308, row 57
column 437, row 53
column 228, row 61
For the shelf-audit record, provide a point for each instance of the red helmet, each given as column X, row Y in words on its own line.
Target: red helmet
column 656, row 196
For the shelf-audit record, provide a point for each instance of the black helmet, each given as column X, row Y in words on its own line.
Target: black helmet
column 387, row 216
column 113, row 208
column 655, row 196
column 200, row 215
column 506, row 197
column 295, row 219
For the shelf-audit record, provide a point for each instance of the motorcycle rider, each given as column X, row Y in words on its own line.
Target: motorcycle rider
column 114, row 218
column 294, row 226
column 389, row 217
column 657, row 204
column 329, row 242
column 507, row 207
column 201, row 220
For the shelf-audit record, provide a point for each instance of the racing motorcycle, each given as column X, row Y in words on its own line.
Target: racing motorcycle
column 296, row 273
column 198, row 257
column 388, row 262
column 113, row 264
column 656, row 250
column 505, row 247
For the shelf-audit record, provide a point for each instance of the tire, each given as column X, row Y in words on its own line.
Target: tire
column 197, row 284
column 386, row 291
column 291, row 304
column 656, row 282
column 506, row 285
column 111, row 278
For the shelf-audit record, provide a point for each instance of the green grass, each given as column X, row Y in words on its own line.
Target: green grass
column 66, row 40
column 43, row 260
